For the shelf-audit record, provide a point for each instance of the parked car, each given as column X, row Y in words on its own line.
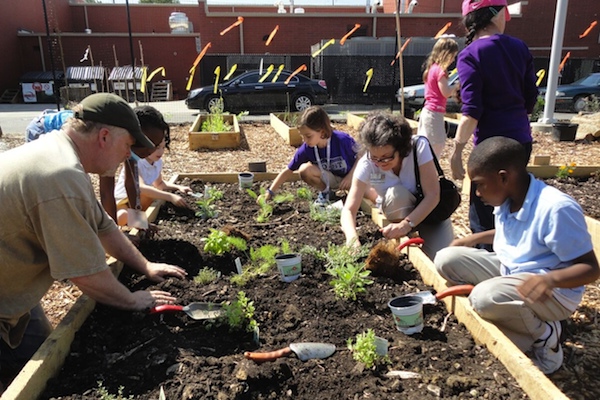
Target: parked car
column 573, row 97
column 414, row 96
column 246, row 93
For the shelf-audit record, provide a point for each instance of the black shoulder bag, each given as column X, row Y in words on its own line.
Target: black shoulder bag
column 449, row 194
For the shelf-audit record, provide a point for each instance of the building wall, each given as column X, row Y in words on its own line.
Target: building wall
column 296, row 34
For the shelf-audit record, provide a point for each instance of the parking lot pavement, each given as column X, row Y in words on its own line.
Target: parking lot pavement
column 14, row 118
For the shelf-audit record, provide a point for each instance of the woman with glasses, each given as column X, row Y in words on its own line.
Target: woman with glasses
column 387, row 170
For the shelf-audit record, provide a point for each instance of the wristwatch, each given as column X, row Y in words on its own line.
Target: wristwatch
column 410, row 223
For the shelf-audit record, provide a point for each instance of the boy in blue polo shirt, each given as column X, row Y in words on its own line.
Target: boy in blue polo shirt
column 542, row 257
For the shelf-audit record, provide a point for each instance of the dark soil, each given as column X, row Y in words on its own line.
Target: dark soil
column 196, row 360
column 585, row 190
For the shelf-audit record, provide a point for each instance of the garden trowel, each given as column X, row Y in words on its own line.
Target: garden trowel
column 197, row 310
column 430, row 298
column 304, row 351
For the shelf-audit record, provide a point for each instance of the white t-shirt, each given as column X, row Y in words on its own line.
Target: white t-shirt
column 368, row 172
column 148, row 173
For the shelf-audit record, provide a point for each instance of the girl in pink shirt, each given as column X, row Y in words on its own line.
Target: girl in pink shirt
column 437, row 91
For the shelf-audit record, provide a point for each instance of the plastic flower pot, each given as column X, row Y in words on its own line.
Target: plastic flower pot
column 407, row 312
column 289, row 266
column 245, row 180
column 564, row 131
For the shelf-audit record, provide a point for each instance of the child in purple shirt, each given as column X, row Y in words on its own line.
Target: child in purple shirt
column 498, row 90
column 324, row 161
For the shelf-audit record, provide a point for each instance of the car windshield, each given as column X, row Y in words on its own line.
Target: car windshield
column 591, row 80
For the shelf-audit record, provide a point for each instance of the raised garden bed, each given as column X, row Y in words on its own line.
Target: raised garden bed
column 214, row 140
column 210, row 371
column 354, row 121
column 282, row 123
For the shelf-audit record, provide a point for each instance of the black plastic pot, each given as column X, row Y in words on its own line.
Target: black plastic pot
column 564, row 131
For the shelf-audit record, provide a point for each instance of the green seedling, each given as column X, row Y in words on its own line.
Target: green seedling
column 304, row 193
column 207, row 275
column 215, row 194
column 240, row 313
column 261, row 261
column 215, row 122
column 349, row 280
column 206, row 208
column 266, row 209
column 365, row 349
column 283, row 198
column 105, row 395
column 326, row 215
column 219, row 243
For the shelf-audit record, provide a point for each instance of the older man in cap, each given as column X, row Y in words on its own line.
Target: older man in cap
column 53, row 227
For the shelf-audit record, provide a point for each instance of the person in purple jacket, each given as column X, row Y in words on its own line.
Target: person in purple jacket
column 498, row 91
column 324, row 161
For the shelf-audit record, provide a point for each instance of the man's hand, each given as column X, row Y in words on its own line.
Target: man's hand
column 536, row 288
column 146, row 299
column 158, row 271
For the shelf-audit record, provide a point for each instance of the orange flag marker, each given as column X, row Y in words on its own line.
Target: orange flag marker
column 202, row 53
column 230, row 27
column 272, row 35
column 564, row 61
column 443, row 30
column 588, row 30
column 401, row 51
column 347, row 35
column 296, row 72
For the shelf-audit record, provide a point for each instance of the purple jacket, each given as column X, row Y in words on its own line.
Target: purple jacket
column 498, row 88
column 342, row 157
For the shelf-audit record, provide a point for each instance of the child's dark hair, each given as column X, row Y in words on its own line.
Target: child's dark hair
column 383, row 128
column 479, row 19
column 150, row 117
column 498, row 153
column 316, row 118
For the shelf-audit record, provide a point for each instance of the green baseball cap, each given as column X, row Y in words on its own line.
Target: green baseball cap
column 110, row 109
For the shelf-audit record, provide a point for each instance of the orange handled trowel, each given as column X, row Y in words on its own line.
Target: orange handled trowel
column 304, row 351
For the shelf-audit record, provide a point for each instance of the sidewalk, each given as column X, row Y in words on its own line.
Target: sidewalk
column 14, row 118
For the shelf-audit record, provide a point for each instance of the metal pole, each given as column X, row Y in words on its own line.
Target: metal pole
column 131, row 52
column 51, row 54
column 557, row 41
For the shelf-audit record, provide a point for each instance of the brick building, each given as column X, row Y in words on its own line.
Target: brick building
column 74, row 25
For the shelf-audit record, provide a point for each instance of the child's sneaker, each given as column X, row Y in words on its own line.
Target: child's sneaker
column 322, row 199
column 547, row 354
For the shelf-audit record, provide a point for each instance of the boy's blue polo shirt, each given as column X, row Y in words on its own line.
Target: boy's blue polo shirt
column 547, row 233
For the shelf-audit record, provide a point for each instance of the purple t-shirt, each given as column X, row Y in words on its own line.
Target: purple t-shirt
column 498, row 88
column 342, row 155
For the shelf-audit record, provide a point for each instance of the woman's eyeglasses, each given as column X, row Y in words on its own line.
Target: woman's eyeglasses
column 382, row 160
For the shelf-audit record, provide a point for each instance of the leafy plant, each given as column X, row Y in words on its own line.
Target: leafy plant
column 365, row 349
column 261, row 261
column 105, row 395
column 240, row 313
column 283, row 198
column 207, row 275
column 215, row 122
column 349, row 280
column 304, row 193
column 266, row 209
column 565, row 171
column 206, row 208
column 327, row 215
column 218, row 242
column 592, row 103
column 349, row 276
column 538, row 109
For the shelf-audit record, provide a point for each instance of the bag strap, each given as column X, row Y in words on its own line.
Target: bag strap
column 417, row 173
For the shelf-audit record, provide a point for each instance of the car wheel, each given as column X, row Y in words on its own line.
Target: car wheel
column 579, row 103
column 215, row 104
column 302, row 102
